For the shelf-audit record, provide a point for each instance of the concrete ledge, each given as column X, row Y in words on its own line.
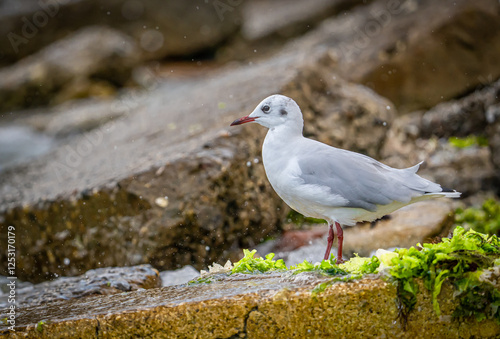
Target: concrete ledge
column 250, row 306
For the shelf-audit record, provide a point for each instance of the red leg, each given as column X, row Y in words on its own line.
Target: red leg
column 340, row 239
column 330, row 242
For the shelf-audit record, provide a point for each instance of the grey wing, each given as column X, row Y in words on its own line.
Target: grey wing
column 361, row 180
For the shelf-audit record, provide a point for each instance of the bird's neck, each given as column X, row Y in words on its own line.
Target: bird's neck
column 287, row 130
column 279, row 142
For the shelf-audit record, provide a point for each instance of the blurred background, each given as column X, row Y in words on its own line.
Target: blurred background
column 115, row 146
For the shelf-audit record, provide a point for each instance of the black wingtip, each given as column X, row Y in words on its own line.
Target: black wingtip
column 444, row 189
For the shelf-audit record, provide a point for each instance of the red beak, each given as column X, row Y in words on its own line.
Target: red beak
column 242, row 120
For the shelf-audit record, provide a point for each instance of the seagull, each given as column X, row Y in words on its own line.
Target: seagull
column 324, row 182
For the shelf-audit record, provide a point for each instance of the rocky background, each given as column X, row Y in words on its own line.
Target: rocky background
column 115, row 146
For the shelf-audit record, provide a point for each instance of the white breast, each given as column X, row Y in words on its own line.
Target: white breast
column 283, row 172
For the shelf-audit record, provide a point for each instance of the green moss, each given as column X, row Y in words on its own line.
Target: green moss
column 471, row 140
column 39, row 326
column 485, row 219
column 299, row 219
column 207, row 280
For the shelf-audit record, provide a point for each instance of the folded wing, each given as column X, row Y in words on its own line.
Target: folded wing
column 361, row 180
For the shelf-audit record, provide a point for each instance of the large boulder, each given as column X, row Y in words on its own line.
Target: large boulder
column 416, row 53
column 90, row 62
column 160, row 28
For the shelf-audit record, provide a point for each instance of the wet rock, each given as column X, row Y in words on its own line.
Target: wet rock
column 467, row 170
column 178, row 277
column 493, row 132
column 413, row 138
column 282, row 18
column 339, row 113
column 268, row 24
column 295, row 239
column 415, row 53
column 160, row 28
column 166, row 181
column 19, row 143
column 419, row 68
column 100, row 281
column 70, row 68
column 255, row 306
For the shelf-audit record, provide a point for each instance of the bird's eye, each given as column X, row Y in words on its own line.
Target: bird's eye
column 266, row 108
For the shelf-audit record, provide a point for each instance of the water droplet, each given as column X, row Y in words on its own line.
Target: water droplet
column 249, row 164
column 388, row 107
column 161, row 202
column 151, row 40
column 207, row 248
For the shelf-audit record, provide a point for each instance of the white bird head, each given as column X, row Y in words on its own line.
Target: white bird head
column 275, row 111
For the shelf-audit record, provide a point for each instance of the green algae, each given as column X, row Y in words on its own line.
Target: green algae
column 327, row 267
column 360, row 265
column 249, row 264
column 469, row 141
column 484, row 219
column 207, row 280
column 40, row 325
column 460, row 260
column 465, row 260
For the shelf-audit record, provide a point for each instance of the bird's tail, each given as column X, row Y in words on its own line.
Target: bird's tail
column 446, row 192
column 430, row 189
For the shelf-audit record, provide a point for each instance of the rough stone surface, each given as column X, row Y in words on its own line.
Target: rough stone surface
column 415, row 53
column 178, row 277
column 160, row 28
column 413, row 138
column 100, row 281
column 19, row 143
column 91, row 61
column 339, row 113
column 168, row 183
column 252, row 306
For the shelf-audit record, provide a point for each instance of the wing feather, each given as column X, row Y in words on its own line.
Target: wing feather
column 361, row 180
